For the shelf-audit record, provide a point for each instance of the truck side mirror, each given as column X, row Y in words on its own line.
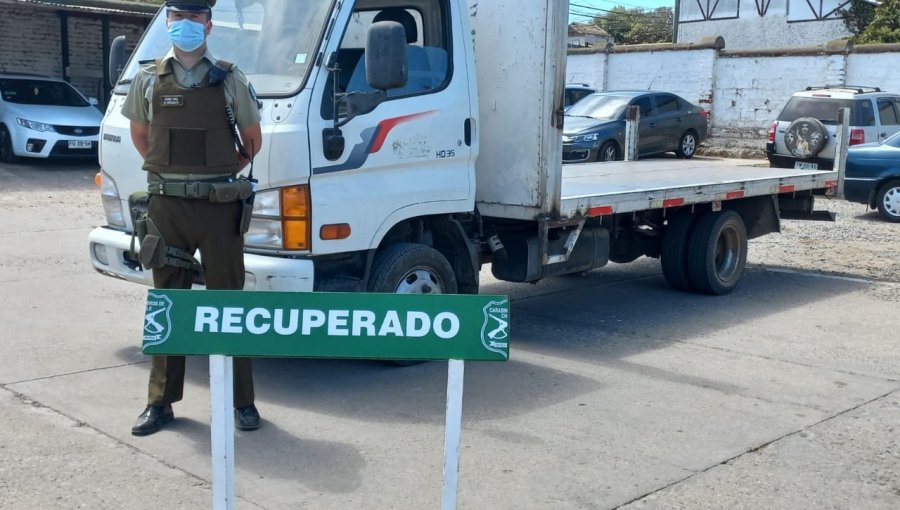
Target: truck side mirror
column 386, row 58
column 116, row 59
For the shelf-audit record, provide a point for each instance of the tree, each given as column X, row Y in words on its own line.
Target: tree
column 858, row 15
column 637, row 26
column 885, row 26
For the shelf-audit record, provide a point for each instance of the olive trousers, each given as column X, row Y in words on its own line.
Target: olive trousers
column 192, row 224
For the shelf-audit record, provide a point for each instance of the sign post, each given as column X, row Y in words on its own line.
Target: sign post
column 222, row 324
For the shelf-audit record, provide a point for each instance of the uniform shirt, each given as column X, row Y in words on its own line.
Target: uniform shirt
column 138, row 104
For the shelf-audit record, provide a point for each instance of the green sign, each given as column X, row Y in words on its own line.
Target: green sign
column 327, row 325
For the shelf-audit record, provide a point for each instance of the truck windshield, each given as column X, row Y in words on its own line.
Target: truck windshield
column 272, row 41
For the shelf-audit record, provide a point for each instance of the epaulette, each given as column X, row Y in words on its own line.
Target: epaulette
column 219, row 72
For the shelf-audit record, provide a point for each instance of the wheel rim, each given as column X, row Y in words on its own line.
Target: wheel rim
column 891, row 201
column 728, row 249
column 688, row 144
column 420, row 280
column 609, row 153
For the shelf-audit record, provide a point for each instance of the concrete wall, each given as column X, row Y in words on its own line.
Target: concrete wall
column 31, row 42
column 743, row 90
column 782, row 24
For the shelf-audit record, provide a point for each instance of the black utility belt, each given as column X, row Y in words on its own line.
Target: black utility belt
column 229, row 189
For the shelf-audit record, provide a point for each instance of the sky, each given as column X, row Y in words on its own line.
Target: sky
column 574, row 6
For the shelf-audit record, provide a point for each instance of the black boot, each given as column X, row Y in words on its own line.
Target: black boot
column 246, row 418
column 152, row 419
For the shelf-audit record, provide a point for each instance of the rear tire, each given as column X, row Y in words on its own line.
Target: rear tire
column 674, row 257
column 6, row 149
column 717, row 252
column 687, row 145
column 888, row 201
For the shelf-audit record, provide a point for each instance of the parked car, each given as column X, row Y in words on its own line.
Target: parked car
column 803, row 136
column 594, row 128
column 43, row 117
column 576, row 92
column 873, row 176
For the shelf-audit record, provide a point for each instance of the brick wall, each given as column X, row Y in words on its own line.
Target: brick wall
column 30, row 42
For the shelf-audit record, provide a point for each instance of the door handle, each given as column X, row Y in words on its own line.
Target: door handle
column 653, row 124
column 467, row 129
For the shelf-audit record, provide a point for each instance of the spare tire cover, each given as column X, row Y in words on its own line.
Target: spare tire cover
column 805, row 137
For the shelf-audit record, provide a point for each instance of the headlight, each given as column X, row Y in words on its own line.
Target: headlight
column 281, row 220
column 37, row 126
column 112, row 204
column 592, row 137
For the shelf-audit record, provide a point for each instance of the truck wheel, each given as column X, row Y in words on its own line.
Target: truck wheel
column 687, row 146
column 412, row 268
column 674, row 251
column 608, row 152
column 889, row 201
column 6, row 149
column 717, row 252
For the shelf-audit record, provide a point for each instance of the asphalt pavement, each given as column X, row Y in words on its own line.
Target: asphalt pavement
column 620, row 393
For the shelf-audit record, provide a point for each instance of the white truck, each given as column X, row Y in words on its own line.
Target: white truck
column 404, row 160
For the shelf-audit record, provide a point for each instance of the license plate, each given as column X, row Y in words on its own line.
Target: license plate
column 79, row 144
column 803, row 165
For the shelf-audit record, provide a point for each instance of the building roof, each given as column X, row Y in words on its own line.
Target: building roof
column 143, row 8
column 586, row 29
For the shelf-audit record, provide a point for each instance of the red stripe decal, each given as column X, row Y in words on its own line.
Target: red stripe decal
column 786, row 188
column 673, row 202
column 385, row 127
column 604, row 210
column 831, row 184
column 731, row 195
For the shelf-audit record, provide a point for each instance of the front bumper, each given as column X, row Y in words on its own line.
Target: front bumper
column 110, row 254
column 579, row 152
column 48, row 144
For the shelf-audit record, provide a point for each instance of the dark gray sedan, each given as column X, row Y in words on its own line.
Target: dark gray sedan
column 594, row 128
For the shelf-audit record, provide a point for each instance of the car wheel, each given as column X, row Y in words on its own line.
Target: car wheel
column 687, row 146
column 805, row 137
column 609, row 151
column 888, row 201
column 717, row 252
column 6, row 149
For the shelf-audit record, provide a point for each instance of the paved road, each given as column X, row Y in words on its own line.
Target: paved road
column 621, row 393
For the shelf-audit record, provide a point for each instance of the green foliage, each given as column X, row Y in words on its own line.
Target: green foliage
column 858, row 15
column 637, row 26
column 881, row 26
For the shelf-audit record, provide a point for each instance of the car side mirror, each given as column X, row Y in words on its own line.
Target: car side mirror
column 116, row 59
column 386, row 57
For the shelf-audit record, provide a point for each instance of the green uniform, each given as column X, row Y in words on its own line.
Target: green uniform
column 190, row 141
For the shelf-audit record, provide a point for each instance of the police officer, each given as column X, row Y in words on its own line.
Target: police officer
column 177, row 107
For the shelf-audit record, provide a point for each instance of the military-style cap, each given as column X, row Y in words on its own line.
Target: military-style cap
column 190, row 5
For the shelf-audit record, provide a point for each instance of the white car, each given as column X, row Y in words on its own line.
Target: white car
column 44, row 117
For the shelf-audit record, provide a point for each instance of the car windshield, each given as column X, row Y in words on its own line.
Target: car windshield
column 826, row 110
column 42, row 92
column 272, row 41
column 599, row 106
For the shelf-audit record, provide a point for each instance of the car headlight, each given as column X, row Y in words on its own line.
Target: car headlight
column 37, row 126
column 112, row 204
column 592, row 137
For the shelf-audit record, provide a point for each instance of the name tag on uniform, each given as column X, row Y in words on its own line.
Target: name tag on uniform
column 172, row 100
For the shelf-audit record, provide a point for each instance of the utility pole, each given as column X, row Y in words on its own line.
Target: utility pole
column 675, row 16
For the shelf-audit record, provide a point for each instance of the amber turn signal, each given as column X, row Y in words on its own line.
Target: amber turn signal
column 334, row 232
column 295, row 215
column 98, row 179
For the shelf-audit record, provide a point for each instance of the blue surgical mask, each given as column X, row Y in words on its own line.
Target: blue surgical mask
column 187, row 35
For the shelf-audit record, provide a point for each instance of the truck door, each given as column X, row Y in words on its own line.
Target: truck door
column 413, row 154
